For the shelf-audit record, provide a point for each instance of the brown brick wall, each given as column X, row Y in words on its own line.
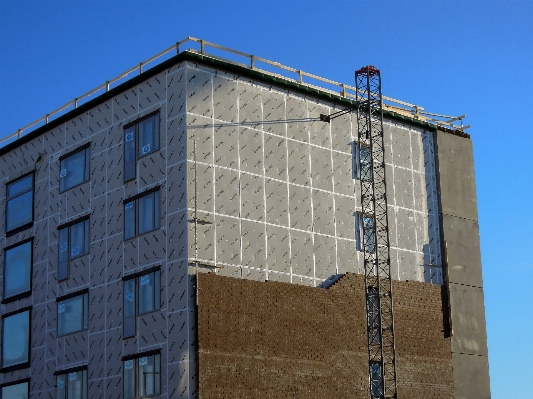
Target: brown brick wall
column 278, row 340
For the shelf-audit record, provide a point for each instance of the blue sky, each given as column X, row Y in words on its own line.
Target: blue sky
column 451, row 57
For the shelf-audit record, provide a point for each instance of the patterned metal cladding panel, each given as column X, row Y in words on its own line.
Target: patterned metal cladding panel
column 342, row 134
column 298, row 164
column 274, row 110
column 99, row 119
column 115, row 167
column 253, row 243
column 226, row 192
column 297, row 109
column 226, row 145
column 344, row 216
column 249, row 104
column 75, row 349
column 252, row 197
column 278, row 249
column 321, row 169
column 276, row 195
column 323, row 213
column 38, row 323
column 403, row 185
column 177, row 140
column 275, row 157
column 152, row 92
column 199, row 93
column 225, row 99
column 320, row 131
column 228, row 242
column 176, row 189
column 78, row 273
column 76, row 130
column 179, row 380
column 300, row 208
column 176, row 287
column 347, row 257
column 204, row 187
column 251, row 150
column 342, row 174
column 97, row 355
column 176, row 93
column 125, row 106
column 177, row 236
column 325, row 257
column 301, row 252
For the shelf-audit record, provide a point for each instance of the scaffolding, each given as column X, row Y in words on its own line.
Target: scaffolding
column 375, row 236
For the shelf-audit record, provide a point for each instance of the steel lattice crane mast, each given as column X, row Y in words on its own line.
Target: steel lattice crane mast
column 375, row 237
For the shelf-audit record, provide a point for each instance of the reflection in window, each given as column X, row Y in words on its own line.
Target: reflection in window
column 72, row 385
column 141, row 215
column 15, row 391
column 74, row 169
column 72, row 314
column 365, row 233
column 140, row 139
column 73, row 242
column 17, row 269
column 141, row 295
column 376, row 380
column 374, row 319
column 19, row 210
column 362, row 162
column 142, row 376
column 16, row 339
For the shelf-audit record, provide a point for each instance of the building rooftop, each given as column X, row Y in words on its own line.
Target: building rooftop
column 190, row 46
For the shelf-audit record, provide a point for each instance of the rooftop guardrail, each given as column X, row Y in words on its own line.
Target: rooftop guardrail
column 255, row 63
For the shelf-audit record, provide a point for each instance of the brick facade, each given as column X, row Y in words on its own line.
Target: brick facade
column 277, row 340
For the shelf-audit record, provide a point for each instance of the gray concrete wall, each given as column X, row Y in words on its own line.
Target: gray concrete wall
column 460, row 231
column 281, row 197
column 101, row 347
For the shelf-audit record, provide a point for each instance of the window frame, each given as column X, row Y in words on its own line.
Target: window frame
column 22, row 226
column 63, row 269
column 10, row 384
column 84, row 294
column 86, row 166
column 66, row 374
column 24, row 363
column 135, row 365
column 362, row 244
column 132, row 310
column 27, row 292
column 132, row 210
column 132, row 145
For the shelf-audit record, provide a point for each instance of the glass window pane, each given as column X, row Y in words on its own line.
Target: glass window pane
column 19, row 211
column 62, row 272
column 15, row 344
column 129, row 147
column 129, row 219
column 77, row 240
column 369, row 234
column 75, row 385
column 20, row 186
column 61, row 386
column 71, row 315
column 129, row 308
column 72, row 171
column 146, row 137
column 17, row 391
column 129, row 379
column 17, row 271
column 148, row 374
column 146, row 293
column 146, row 213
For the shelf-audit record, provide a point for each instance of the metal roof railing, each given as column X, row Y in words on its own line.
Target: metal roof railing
column 251, row 61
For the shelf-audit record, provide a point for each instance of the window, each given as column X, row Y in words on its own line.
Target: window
column 72, row 385
column 376, row 381
column 73, row 243
column 365, row 234
column 140, row 138
column 362, row 162
column 17, row 269
column 16, row 338
column 19, row 209
column 142, row 376
column 17, row 390
column 374, row 320
column 72, row 313
column 141, row 215
column 141, row 295
column 74, row 169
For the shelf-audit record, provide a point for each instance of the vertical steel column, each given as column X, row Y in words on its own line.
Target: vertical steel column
column 375, row 237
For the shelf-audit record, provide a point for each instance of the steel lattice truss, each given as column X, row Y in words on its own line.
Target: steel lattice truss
column 375, row 237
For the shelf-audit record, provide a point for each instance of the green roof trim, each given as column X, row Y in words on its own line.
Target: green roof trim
column 216, row 64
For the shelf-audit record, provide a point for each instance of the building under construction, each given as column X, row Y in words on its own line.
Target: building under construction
column 211, row 224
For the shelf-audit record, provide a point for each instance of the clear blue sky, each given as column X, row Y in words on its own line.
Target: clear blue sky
column 451, row 57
